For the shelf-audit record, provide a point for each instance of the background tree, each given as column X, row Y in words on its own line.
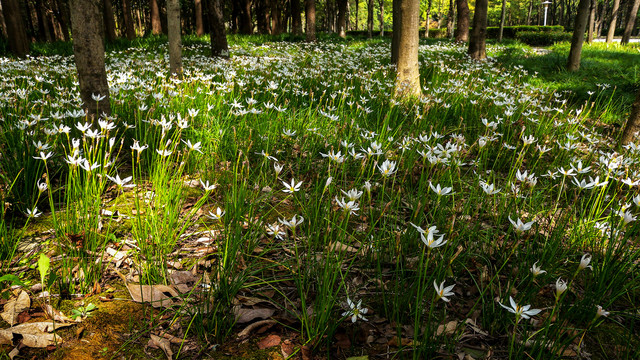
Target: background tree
column 370, row 18
column 198, row 14
column 395, row 36
column 631, row 21
column 381, row 16
column 573, row 63
column 450, row 19
column 16, row 28
column 219, row 46
column 156, row 24
column 462, row 30
column 3, row 25
column 175, row 40
column 342, row 18
column 296, row 17
column 109, row 21
column 502, row 17
column 408, row 71
column 88, row 50
column 613, row 20
column 633, row 123
column 310, row 14
column 478, row 39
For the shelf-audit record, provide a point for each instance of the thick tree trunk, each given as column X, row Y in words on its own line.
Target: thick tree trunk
column 408, row 73
column 592, row 21
column 276, row 24
column 130, row 30
column 109, row 21
column 633, row 124
column 156, row 24
column 396, row 16
column 310, row 14
column 64, row 18
column 175, row 39
column 198, row 14
column 3, row 24
column 262, row 17
column 16, row 29
column 573, row 63
column 245, row 25
column 370, row 18
column 502, row 16
column 462, row 31
column 381, row 5
column 296, row 17
column 88, row 50
column 614, row 19
column 478, row 39
column 631, row 21
column 342, row 18
column 450, row 18
column 219, row 46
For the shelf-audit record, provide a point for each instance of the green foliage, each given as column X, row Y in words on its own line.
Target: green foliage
column 538, row 38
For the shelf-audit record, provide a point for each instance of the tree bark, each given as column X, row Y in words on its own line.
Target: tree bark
column 633, row 123
column 614, row 19
column 502, row 16
column 198, row 14
column 88, row 50
column 262, row 17
column 342, row 18
column 396, row 16
column 462, row 31
column 631, row 21
column 428, row 25
column 592, row 21
column 478, row 39
column 357, row 13
column 310, row 14
column 156, row 24
column 64, row 18
column 529, row 12
column 408, row 73
column 219, row 46
column 296, row 17
column 130, row 30
column 245, row 25
column 450, row 17
column 175, row 40
column 370, row 19
column 381, row 5
column 573, row 63
column 276, row 24
column 16, row 29
column 3, row 24
column 109, row 20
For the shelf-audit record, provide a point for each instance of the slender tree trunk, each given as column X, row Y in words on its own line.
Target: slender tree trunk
column 262, row 18
column 450, row 18
column 408, row 73
column 529, row 12
column 276, row 25
column 175, row 39
column 631, row 21
column 109, row 21
column 614, row 18
column 342, row 18
column 219, row 46
column 296, row 17
column 370, row 18
column 64, row 18
column 16, row 29
column 3, row 24
column 462, row 31
column 357, row 13
column 156, row 24
column 478, row 39
column 396, row 15
column 310, row 14
column 130, row 30
column 199, row 22
column 88, row 49
column 592, row 21
column 502, row 14
column 633, row 123
column 573, row 63
column 428, row 25
column 381, row 5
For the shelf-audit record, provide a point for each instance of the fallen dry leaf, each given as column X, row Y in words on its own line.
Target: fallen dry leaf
column 269, row 341
column 256, row 326
column 14, row 307
column 157, row 295
column 447, row 329
column 163, row 344
column 244, row 315
column 182, row 277
column 35, row 335
column 57, row 315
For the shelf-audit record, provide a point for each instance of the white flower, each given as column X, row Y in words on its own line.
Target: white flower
column 489, row 189
column 355, row 311
column 520, row 311
column 42, row 186
column 295, row 221
column 164, row 152
column 136, row 146
column 275, row 231
column 536, row 270
column 33, row 213
column 43, row 156
column 277, row 168
column 352, row 194
column 440, row 191
column 98, row 97
column 520, row 226
column 195, row 147
column 351, row 206
column 601, row 312
column 293, row 187
column 121, row 182
column 207, row 186
column 442, row 292
column 388, row 168
column 218, row 214
column 561, row 287
column 584, row 262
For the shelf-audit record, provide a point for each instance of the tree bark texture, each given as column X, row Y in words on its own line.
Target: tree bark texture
column 245, row 25
column 130, row 30
column 450, row 18
column 502, row 16
column 218, row 35
column 156, row 24
column 370, row 19
column 395, row 36
column 16, row 28
column 631, row 21
column 262, row 17
column 478, row 39
column 582, row 17
column 342, row 18
column 109, row 21
column 276, row 23
column 88, row 50
column 296, row 17
column 3, row 25
column 381, row 5
column 310, row 14
column 198, row 14
column 408, row 71
column 614, row 19
column 64, row 18
column 633, row 123
column 592, row 21
column 175, row 40
column 462, row 31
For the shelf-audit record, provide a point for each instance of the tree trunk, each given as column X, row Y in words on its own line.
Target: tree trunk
column 450, row 17
column 478, row 39
column 262, row 18
column 156, row 24
column 3, row 24
column 357, row 13
column 61, row 13
column 198, row 14
column 592, row 21
column 16, row 30
column 529, row 12
column 109, row 21
column 296, row 17
column 245, row 25
column 381, row 5
column 342, row 18
column 631, row 21
column 370, row 19
column 396, row 16
column 219, row 46
column 310, row 14
column 573, row 63
column 614, row 19
column 428, row 25
column 88, row 50
column 175, row 40
column 276, row 25
column 633, row 123
column 130, row 30
column 502, row 15
column 408, row 73
column 462, row 31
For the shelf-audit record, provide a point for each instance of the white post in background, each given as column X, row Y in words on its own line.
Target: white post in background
column 546, row 7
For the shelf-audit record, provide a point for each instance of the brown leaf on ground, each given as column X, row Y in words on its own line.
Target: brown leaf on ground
column 244, row 315
column 35, row 335
column 14, row 307
column 447, row 329
column 256, row 327
column 163, row 344
column 287, row 348
column 182, row 277
column 269, row 341
column 57, row 315
column 157, row 295
column 397, row 342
